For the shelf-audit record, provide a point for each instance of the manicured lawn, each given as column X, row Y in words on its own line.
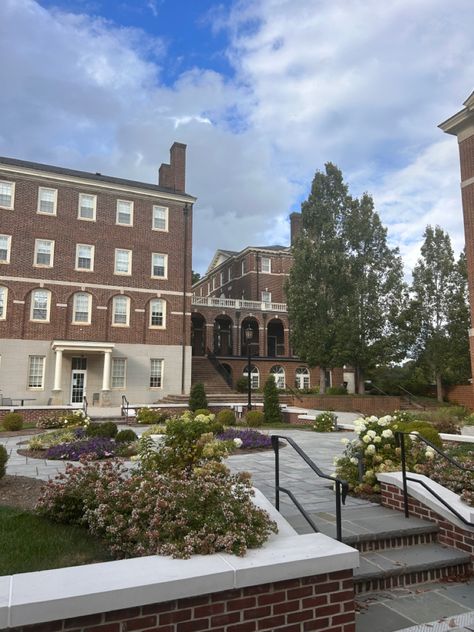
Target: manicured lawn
column 32, row 543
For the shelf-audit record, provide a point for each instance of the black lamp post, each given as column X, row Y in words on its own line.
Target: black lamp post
column 248, row 338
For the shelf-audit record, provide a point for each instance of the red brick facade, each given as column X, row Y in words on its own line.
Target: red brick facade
column 321, row 602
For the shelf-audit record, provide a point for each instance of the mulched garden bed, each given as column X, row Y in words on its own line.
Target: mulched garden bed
column 20, row 491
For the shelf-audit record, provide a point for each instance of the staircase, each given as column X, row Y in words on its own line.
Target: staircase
column 203, row 371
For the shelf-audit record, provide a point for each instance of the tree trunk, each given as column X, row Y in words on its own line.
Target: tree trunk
column 322, row 381
column 360, row 381
column 439, row 388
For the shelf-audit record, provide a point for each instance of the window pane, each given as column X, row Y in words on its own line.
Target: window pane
column 266, row 264
column 43, row 252
column 159, row 265
column 124, row 212
column 86, row 206
column 157, row 313
column 4, row 247
column 84, row 257
column 36, row 372
column 160, row 214
column 118, row 372
column 155, row 373
column 3, row 302
column 120, row 310
column 47, row 200
column 40, row 305
column 6, row 194
column 81, row 308
column 122, row 261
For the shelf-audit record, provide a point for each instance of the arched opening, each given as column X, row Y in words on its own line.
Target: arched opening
column 255, row 339
column 223, row 336
column 302, row 378
column 254, row 376
column 278, row 373
column 198, row 334
column 275, row 339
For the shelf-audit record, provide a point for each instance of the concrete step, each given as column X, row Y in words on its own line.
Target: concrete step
column 391, row 568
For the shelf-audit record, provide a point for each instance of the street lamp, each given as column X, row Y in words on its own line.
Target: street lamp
column 248, row 338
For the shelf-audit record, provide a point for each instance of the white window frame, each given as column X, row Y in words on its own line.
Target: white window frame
column 92, row 247
column 4, row 291
column 280, row 376
column 161, row 361
column 48, row 306
column 166, row 218
column 163, row 303
column 117, row 214
column 269, row 297
column 269, row 267
column 12, row 204
column 129, row 262
column 94, row 207
column 9, row 248
column 254, row 376
column 55, row 201
column 242, row 267
column 89, row 308
column 51, row 254
column 113, row 376
column 127, row 311
column 302, row 375
column 165, row 265
column 39, row 374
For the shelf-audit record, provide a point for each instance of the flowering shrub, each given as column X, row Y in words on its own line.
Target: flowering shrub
column 450, row 476
column 52, row 421
column 56, row 437
column 151, row 416
column 250, row 439
column 75, row 418
column 156, row 429
column 325, row 422
column 95, row 447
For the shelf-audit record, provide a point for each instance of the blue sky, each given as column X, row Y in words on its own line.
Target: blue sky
column 263, row 92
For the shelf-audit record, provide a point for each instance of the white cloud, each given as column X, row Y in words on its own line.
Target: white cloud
column 363, row 84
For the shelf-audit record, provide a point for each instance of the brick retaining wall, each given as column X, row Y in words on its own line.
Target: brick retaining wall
column 462, row 394
column 320, row 602
column 365, row 404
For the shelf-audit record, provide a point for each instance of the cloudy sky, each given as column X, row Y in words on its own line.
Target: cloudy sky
column 263, row 92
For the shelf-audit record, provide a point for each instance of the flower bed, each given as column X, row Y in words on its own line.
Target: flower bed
column 96, row 447
column 246, row 439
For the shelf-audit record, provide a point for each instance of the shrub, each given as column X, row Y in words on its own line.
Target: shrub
column 56, row 437
column 423, row 428
column 226, row 417
column 336, row 390
column 53, row 421
column 126, row 436
column 448, row 426
column 469, row 420
column 156, row 429
column 105, row 429
column 325, row 422
column 13, row 421
column 202, row 411
column 271, row 402
column 255, row 418
column 197, row 397
column 3, row 460
column 75, row 418
column 242, row 385
column 148, row 416
column 247, row 438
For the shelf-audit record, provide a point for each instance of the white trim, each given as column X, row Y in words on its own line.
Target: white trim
column 89, row 309
column 131, row 205
column 76, row 267
column 5, row 302
column 43, row 372
column 124, row 385
column 163, row 302
column 80, row 345
column 154, row 388
column 94, row 208
column 48, row 306
column 467, row 183
column 55, row 202
column 165, row 262
column 9, row 249
column 166, row 209
column 51, row 254
column 127, row 312
column 9, row 208
column 129, row 262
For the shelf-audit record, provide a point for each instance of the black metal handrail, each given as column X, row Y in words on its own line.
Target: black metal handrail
column 372, row 385
column 401, row 442
column 85, row 404
column 219, row 368
column 341, row 486
column 411, row 397
column 124, row 406
column 293, row 392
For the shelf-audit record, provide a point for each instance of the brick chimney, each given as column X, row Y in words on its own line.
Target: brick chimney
column 295, row 224
column 173, row 176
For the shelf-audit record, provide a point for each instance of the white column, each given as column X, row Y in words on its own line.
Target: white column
column 58, row 365
column 106, row 374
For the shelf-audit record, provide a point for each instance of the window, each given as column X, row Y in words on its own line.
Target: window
column 3, row 302
column 266, row 297
column 214, row 283
column 124, row 213
column 157, row 313
column 156, row 373
column 81, row 311
column 119, row 369
column 160, row 218
column 278, row 373
column 123, row 261
column 243, row 267
column 302, row 378
column 87, row 207
column 84, row 257
column 254, row 376
column 159, row 265
column 47, row 199
column 5, row 244
column 44, row 253
column 266, row 264
column 36, row 372
column 222, row 278
column 7, row 194
column 40, row 305
column 121, row 311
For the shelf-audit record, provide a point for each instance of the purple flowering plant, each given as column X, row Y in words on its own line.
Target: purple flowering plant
column 251, row 439
column 97, row 447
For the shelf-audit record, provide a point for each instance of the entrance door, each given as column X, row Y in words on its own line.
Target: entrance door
column 78, row 380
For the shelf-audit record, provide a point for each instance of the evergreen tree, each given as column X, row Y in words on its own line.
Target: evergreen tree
column 197, row 397
column 271, row 403
column 459, row 322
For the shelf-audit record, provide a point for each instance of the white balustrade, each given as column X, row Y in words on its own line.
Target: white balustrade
column 211, row 301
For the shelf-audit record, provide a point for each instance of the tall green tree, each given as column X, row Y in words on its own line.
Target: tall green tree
column 439, row 308
column 459, row 323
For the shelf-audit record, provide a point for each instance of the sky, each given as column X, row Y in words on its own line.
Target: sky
column 263, row 92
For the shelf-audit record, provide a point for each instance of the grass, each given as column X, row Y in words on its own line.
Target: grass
column 32, row 543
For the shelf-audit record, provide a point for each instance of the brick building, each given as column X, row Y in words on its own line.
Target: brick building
column 95, row 279
column 461, row 125
column 246, row 290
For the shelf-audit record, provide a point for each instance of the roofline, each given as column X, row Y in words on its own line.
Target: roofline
column 456, row 123
column 36, row 169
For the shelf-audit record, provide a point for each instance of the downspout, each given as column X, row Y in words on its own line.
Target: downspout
column 186, row 210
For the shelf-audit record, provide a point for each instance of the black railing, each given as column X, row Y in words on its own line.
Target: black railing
column 219, row 368
column 124, row 406
column 410, row 397
column 85, row 405
column 293, row 392
column 341, row 486
column 406, row 477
